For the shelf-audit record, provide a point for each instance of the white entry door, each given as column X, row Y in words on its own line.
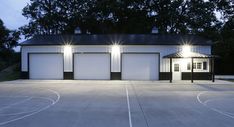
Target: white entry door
column 176, row 71
column 92, row 66
column 140, row 66
column 46, row 66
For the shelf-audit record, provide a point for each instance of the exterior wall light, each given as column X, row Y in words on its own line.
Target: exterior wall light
column 67, row 49
column 115, row 49
column 186, row 50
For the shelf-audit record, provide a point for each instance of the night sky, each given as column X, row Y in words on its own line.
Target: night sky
column 11, row 14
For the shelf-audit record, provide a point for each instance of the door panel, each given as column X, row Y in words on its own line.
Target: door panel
column 45, row 66
column 140, row 66
column 92, row 66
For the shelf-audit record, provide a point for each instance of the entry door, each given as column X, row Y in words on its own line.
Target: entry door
column 176, row 71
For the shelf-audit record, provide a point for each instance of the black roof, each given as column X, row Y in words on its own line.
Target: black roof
column 190, row 55
column 123, row 39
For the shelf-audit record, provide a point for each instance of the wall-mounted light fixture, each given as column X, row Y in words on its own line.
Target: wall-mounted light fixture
column 186, row 50
column 67, row 49
column 115, row 49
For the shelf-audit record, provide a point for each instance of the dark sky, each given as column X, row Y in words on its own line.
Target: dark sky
column 11, row 13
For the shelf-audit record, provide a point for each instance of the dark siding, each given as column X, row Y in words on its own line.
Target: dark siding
column 164, row 76
column 197, row 76
column 115, row 75
column 68, row 75
column 24, row 75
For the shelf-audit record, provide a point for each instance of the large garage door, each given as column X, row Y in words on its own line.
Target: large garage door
column 92, row 66
column 140, row 66
column 45, row 66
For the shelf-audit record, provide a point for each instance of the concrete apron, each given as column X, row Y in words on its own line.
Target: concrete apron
column 181, row 82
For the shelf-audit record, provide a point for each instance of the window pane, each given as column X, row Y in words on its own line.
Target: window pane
column 188, row 66
column 204, row 65
column 199, row 65
column 176, row 67
column 194, row 66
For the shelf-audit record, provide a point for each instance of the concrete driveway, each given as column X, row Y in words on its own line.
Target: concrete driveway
column 31, row 103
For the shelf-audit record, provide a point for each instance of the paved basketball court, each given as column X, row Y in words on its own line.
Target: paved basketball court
column 25, row 103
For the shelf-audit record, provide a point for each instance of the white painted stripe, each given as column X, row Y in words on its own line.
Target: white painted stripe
column 213, row 109
column 42, row 109
column 19, row 113
column 129, row 108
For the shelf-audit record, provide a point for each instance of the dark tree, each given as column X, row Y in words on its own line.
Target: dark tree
column 8, row 39
column 44, row 18
column 122, row 16
column 224, row 48
column 55, row 16
column 119, row 16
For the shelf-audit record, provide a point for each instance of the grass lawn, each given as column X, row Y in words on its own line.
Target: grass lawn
column 10, row 73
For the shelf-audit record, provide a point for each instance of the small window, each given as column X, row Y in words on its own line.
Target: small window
column 199, row 65
column 204, row 65
column 194, row 66
column 188, row 66
column 176, row 67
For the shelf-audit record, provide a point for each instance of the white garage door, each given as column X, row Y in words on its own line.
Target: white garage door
column 140, row 66
column 46, row 66
column 92, row 66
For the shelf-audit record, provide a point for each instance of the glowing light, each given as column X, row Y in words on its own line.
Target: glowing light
column 67, row 49
column 115, row 49
column 186, row 50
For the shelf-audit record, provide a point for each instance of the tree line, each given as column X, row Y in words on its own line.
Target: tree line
column 125, row 16
column 198, row 17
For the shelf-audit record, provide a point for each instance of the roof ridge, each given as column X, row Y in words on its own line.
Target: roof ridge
column 125, row 39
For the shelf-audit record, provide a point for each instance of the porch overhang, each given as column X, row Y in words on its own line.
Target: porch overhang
column 192, row 56
column 181, row 54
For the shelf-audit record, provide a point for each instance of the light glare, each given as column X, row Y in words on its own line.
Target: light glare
column 186, row 50
column 67, row 49
column 115, row 49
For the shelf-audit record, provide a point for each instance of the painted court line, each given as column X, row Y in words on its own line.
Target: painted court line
column 40, row 110
column 213, row 109
column 19, row 113
column 129, row 107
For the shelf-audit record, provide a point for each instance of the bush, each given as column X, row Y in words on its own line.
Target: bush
column 2, row 65
column 8, row 58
